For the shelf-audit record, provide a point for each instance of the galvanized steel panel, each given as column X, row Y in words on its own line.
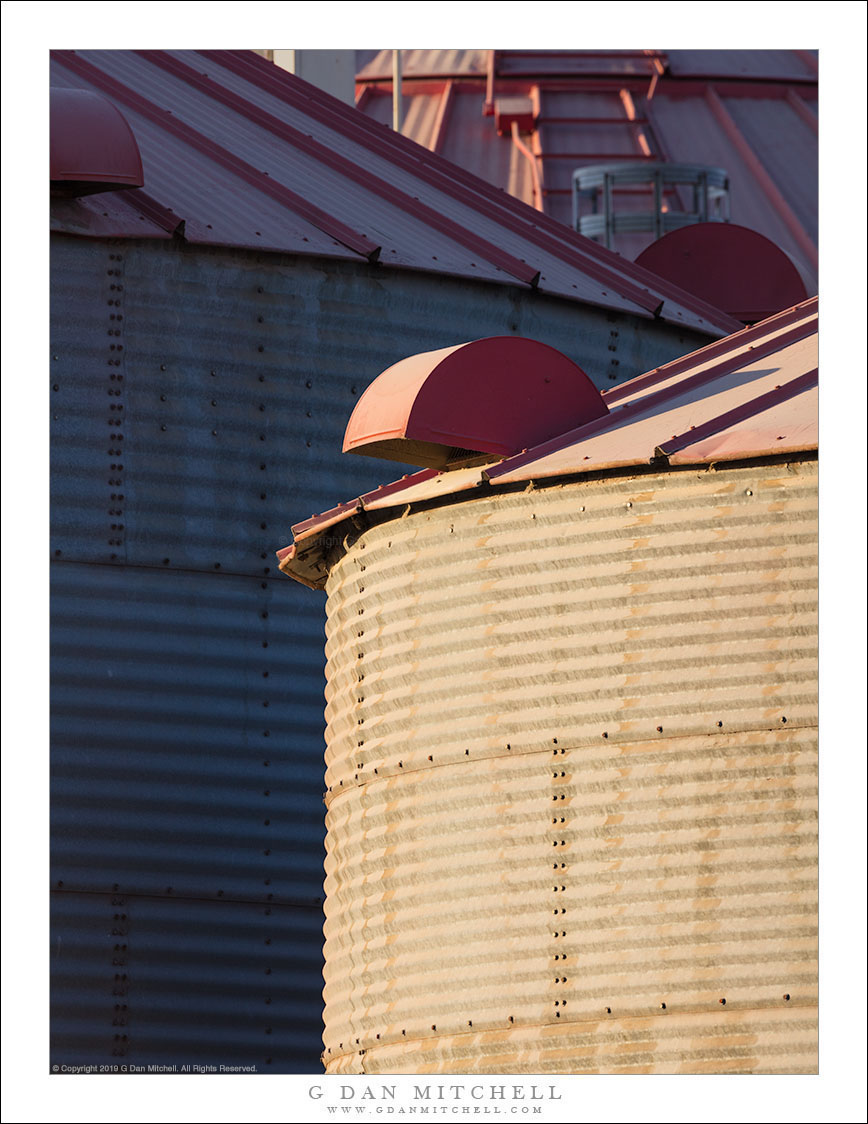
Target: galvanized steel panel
column 174, row 982
column 85, row 304
column 208, row 365
column 163, row 528
column 763, row 1041
column 186, row 725
column 578, row 786
column 419, row 213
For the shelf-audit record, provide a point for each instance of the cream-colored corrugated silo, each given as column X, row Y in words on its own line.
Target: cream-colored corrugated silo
column 571, row 744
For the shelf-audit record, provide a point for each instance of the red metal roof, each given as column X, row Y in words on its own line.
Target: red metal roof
column 491, row 396
column 752, row 394
column 92, row 147
column 731, row 267
column 752, row 112
column 248, row 155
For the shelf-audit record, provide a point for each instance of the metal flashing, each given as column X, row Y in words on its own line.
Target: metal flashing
column 721, row 402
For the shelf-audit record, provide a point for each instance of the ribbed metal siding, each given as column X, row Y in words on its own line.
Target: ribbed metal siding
column 177, row 734
column 230, row 361
column 571, row 769
column 156, row 981
column 196, row 394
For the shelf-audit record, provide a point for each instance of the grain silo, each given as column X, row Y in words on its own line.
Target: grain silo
column 535, row 122
column 571, row 746
column 217, row 297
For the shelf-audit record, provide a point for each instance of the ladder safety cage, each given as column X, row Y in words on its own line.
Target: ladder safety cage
column 598, row 185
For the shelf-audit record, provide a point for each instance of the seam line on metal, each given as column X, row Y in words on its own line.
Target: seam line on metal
column 806, row 310
column 222, row 156
column 539, row 228
column 354, row 786
column 642, row 407
column 741, row 413
column 572, row 1021
column 500, row 258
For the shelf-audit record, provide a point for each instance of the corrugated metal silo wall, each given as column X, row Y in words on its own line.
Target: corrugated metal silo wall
column 572, row 780
column 199, row 399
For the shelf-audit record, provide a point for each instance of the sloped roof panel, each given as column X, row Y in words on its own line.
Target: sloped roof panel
column 751, row 395
column 780, row 65
column 250, row 156
column 466, row 142
column 784, row 427
column 641, row 105
column 112, row 215
column 690, row 130
column 417, row 63
column 714, row 395
column 223, row 214
column 562, row 63
column 787, row 145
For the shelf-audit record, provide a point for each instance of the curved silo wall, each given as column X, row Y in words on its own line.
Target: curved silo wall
column 572, row 779
column 197, row 394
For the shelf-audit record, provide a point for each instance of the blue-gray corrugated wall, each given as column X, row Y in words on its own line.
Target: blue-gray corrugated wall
column 199, row 400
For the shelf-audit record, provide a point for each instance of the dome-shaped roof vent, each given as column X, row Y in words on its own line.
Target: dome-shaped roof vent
column 729, row 266
column 476, row 401
column 92, row 146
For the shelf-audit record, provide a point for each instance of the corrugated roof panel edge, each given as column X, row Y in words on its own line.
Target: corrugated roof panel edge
column 305, row 558
column 639, row 286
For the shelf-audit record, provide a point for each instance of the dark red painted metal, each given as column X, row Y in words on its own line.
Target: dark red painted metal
column 333, row 515
column 620, row 121
column 738, row 342
column 740, row 413
column 731, row 267
column 444, row 176
column 808, row 59
column 757, row 169
column 575, row 253
column 738, row 355
column 353, row 171
column 320, row 522
column 527, row 153
column 92, row 147
column 804, row 110
column 154, row 211
column 490, row 78
column 497, row 395
column 164, row 118
column 549, row 234
column 444, row 112
column 519, row 110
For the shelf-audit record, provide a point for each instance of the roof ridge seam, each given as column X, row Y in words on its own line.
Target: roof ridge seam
column 562, row 241
column 343, row 166
column 649, row 403
column 331, row 226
